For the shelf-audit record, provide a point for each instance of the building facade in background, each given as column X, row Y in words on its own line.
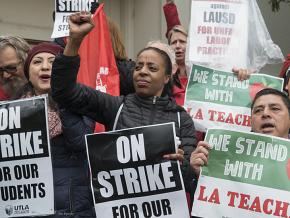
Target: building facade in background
column 140, row 21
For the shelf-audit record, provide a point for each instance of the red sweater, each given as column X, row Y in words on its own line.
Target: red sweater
column 171, row 16
column 179, row 92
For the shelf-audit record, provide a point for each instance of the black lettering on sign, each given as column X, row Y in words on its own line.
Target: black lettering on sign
column 73, row 5
column 5, row 174
column 24, row 191
column 26, row 171
column 158, row 208
column 124, row 211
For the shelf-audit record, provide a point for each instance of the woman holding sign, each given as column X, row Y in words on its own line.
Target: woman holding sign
column 72, row 195
column 148, row 105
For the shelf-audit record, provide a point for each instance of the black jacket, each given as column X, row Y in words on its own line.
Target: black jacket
column 136, row 111
column 72, row 194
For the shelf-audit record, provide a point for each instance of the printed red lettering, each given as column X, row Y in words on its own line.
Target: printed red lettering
column 244, row 201
column 214, row 198
column 256, row 206
column 269, row 206
column 246, row 120
column 281, row 209
column 237, row 119
column 221, row 117
column 232, row 195
column 230, row 119
column 266, row 206
column 198, row 115
column 211, row 114
column 201, row 193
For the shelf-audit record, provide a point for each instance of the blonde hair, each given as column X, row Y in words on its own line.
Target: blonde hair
column 164, row 47
column 177, row 29
column 117, row 41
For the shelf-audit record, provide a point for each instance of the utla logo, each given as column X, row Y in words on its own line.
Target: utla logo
column 21, row 209
column 9, row 210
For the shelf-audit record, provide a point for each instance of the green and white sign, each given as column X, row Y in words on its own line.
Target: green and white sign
column 217, row 99
column 248, row 175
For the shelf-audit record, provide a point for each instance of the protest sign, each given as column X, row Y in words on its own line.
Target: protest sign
column 247, row 175
column 217, row 99
column 219, row 32
column 26, row 183
column 64, row 8
column 129, row 176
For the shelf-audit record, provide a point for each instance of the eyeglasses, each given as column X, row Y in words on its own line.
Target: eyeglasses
column 10, row 68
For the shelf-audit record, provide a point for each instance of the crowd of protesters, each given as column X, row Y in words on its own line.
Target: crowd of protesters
column 152, row 92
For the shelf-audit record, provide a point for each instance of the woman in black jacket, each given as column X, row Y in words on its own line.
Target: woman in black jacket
column 148, row 105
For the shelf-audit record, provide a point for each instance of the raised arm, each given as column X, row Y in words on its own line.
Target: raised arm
column 171, row 15
column 80, row 99
column 80, row 24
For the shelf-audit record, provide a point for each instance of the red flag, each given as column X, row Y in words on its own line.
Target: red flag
column 98, row 67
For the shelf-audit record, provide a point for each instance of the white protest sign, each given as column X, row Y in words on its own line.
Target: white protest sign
column 218, row 35
column 64, row 8
column 26, row 180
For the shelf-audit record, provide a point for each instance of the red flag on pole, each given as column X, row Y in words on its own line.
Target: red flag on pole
column 98, row 67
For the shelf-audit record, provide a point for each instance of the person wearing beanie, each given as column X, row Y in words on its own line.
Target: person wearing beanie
column 72, row 194
column 50, row 49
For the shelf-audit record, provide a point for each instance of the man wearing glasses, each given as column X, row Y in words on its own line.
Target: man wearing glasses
column 13, row 52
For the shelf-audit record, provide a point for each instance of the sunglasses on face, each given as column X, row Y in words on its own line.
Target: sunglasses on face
column 10, row 68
